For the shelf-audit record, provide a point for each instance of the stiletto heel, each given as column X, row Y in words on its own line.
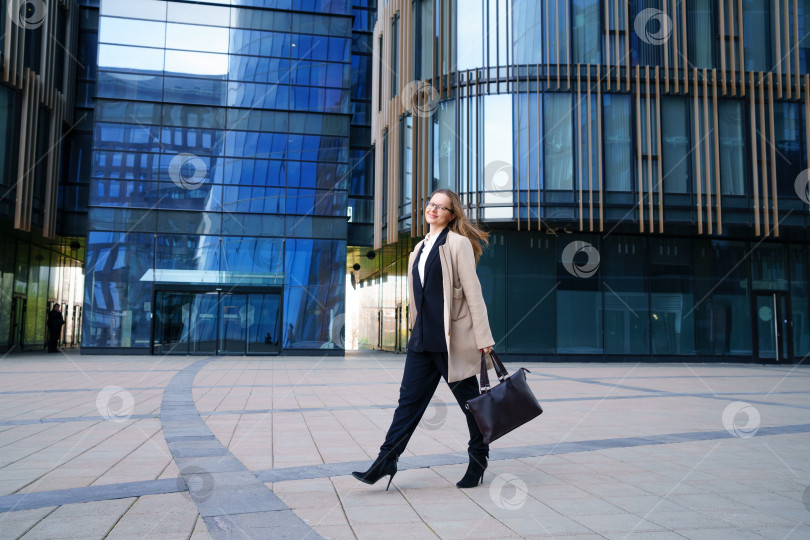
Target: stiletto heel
column 475, row 472
column 390, row 478
column 382, row 466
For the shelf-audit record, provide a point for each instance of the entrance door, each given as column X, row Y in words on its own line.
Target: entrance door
column 17, row 331
column 772, row 327
column 213, row 322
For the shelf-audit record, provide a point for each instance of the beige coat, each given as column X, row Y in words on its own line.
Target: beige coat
column 465, row 315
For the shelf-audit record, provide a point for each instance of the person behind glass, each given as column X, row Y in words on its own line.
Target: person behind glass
column 449, row 329
column 54, row 324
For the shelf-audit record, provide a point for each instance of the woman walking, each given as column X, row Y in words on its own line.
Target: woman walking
column 449, row 329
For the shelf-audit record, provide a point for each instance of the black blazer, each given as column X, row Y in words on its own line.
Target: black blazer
column 428, row 329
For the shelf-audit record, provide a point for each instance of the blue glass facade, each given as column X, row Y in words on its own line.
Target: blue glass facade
column 642, row 167
column 220, row 170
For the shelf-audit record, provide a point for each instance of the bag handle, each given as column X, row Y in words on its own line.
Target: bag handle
column 500, row 370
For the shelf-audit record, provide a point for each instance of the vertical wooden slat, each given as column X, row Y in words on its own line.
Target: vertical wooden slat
column 796, row 49
column 721, row 19
column 618, row 45
column 627, row 29
column 774, row 198
column 685, row 44
column 717, row 171
column 707, row 152
column 649, row 146
column 660, row 153
column 440, row 56
column 557, row 35
column 675, row 48
column 697, row 139
column 752, row 114
column 731, row 48
column 568, row 44
column 762, row 142
column 778, row 41
column 599, row 142
column 516, row 177
column 607, row 43
column 667, row 48
column 741, row 46
column 539, row 149
column 548, row 46
column 590, row 153
column 579, row 145
column 638, row 152
column 788, row 51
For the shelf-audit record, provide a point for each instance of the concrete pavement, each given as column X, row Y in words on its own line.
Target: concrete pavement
column 233, row 447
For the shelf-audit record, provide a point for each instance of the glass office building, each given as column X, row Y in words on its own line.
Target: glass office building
column 641, row 166
column 40, row 259
column 220, row 174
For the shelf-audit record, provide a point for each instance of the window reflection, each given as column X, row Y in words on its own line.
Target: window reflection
column 197, row 63
column 196, row 38
column 121, row 58
column 132, row 32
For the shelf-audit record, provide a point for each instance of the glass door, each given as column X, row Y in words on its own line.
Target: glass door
column 171, row 324
column 235, row 318
column 772, row 327
column 264, row 328
column 204, row 308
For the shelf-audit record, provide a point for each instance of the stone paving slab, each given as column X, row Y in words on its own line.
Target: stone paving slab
column 263, row 448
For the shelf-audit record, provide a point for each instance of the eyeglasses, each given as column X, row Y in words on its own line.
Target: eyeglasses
column 438, row 207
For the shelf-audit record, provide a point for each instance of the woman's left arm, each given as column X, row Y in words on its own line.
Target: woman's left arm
column 465, row 265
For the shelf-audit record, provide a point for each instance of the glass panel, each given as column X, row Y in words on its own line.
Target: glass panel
column 675, row 138
column 558, row 142
column 768, row 268
column 196, row 38
column 121, row 58
column 626, row 305
column 263, row 334
column 197, row 63
column 527, row 31
column 618, row 143
column 730, row 311
column 587, row 31
column 733, row 168
column 756, row 34
column 530, row 293
column 204, row 323
column 671, row 297
column 701, row 39
column 171, row 322
column 765, row 315
column 444, row 146
column 800, row 299
column 132, row 32
column 142, row 9
column 498, row 159
column 790, row 151
column 423, row 28
column 579, row 299
column 235, row 318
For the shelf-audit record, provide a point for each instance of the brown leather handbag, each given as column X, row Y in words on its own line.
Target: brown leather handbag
column 506, row 406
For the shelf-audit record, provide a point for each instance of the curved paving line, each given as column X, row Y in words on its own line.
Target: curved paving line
column 231, row 500
column 59, row 497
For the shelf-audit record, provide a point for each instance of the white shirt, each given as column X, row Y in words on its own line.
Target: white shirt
column 428, row 244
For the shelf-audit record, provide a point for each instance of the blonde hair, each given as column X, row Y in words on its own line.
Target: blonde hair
column 462, row 225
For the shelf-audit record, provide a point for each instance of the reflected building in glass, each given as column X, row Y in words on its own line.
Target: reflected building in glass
column 641, row 166
column 220, row 176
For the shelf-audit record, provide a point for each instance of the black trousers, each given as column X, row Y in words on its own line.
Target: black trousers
column 419, row 381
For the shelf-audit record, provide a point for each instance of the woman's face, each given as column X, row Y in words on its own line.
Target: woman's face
column 437, row 212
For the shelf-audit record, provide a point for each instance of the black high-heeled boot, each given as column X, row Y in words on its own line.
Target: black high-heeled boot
column 475, row 472
column 382, row 466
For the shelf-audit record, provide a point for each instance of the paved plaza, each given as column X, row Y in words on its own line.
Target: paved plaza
column 125, row 447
